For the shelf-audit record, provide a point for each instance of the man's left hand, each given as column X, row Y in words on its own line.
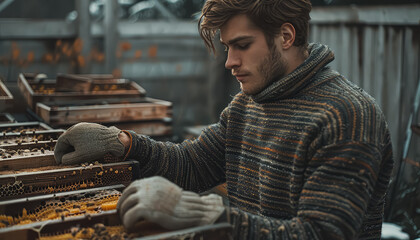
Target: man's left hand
column 158, row 200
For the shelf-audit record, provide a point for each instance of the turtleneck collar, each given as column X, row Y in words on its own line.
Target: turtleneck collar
column 319, row 56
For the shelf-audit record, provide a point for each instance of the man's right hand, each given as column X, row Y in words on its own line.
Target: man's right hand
column 86, row 142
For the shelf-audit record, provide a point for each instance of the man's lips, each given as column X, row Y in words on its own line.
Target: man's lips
column 240, row 77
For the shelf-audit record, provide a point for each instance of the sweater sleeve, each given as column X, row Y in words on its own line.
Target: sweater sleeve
column 341, row 182
column 195, row 165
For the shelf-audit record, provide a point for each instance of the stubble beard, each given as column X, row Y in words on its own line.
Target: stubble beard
column 272, row 68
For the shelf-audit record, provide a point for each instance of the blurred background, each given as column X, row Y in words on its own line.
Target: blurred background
column 155, row 43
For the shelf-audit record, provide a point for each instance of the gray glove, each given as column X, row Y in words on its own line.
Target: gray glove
column 86, row 142
column 160, row 201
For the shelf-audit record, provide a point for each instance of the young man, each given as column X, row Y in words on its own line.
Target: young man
column 304, row 152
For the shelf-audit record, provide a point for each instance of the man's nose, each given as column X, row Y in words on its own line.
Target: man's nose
column 232, row 61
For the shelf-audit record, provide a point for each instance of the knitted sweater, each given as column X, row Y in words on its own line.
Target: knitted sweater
column 309, row 157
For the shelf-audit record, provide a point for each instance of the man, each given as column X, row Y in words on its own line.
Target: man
column 304, row 152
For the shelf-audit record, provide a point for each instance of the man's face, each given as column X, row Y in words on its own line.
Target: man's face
column 254, row 64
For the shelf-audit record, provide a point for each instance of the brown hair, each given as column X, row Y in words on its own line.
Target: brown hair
column 268, row 15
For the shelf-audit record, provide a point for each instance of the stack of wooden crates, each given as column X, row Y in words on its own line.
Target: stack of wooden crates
column 103, row 99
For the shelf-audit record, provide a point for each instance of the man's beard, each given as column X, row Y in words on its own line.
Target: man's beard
column 273, row 67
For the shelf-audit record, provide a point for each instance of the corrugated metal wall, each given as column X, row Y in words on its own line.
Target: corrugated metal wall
column 380, row 53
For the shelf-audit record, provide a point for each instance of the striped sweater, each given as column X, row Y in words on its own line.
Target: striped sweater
column 309, row 157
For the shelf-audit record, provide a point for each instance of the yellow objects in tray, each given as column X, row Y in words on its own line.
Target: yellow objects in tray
column 98, row 231
column 65, row 207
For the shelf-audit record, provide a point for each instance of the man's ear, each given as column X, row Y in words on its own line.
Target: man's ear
column 288, row 34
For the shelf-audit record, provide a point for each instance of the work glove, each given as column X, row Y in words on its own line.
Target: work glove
column 160, row 201
column 86, row 142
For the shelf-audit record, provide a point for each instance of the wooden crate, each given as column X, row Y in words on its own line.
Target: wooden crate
column 23, row 127
column 32, row 182
column 104, row 111
column 37, row 90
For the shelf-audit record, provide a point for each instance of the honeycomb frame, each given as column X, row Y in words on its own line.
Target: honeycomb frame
column 29, row 184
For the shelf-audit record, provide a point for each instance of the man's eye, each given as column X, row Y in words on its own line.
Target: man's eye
column 243, row 46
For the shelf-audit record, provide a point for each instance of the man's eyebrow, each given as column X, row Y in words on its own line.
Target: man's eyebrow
column 235, row 40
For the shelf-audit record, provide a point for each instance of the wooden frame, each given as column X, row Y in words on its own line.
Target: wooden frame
column 150, row 231
column 15, row 206
column 16, row 138
column 26, row 184
column 27, row 162
column 104, row 111
column 27, row 83
column 13, row 141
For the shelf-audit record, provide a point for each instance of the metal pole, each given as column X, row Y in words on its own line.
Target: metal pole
column 84, row 33
column 110, row 34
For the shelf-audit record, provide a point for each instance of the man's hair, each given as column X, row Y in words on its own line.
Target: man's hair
column 268, row 15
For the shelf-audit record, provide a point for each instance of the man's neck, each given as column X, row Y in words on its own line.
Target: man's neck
column 295, row 57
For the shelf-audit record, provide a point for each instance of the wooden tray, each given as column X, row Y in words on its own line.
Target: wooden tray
column 150, row 231
column 28, row 160
column 45, row 90
column 30, row 150
column 23, row 127
column 17, row 138
column 66, row 178
column 104, row 111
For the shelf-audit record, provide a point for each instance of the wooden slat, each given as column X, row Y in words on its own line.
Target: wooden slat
column 104, row 111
